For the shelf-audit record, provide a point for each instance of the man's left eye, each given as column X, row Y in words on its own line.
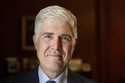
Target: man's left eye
column 66, row 38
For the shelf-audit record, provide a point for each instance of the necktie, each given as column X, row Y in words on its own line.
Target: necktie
column 50, row 81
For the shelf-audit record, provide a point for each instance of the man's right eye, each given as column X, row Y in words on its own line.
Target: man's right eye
column 47, row 37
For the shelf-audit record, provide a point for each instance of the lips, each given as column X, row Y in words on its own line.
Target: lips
column 56, row 56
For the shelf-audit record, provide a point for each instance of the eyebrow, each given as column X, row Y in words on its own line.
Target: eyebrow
column 47, row 33
column 50, row 33
column 65, row 34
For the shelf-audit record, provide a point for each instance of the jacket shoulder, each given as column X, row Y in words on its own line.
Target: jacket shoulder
column 76, row 78
column 27, row 77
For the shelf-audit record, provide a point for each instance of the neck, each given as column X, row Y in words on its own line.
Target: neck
column 52, row 74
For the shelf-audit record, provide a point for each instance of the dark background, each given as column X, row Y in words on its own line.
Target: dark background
column 101, row 27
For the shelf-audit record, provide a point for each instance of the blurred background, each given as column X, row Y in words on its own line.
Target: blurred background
column 100, row 51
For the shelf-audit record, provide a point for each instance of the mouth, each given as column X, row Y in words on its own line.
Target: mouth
column 56, row 56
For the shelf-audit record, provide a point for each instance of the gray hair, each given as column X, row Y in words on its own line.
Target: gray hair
column 56, row 12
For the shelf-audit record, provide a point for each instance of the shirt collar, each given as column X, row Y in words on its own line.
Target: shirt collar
column 62, row 78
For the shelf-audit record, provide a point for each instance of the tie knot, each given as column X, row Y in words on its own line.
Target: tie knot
column 50, row 81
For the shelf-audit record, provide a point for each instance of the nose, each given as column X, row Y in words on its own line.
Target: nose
column 56, row 44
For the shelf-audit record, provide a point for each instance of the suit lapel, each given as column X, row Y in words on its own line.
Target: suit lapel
column 70, row 77
column 34, row 76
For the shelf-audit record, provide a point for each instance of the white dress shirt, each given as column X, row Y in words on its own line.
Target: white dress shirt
column 62, row 78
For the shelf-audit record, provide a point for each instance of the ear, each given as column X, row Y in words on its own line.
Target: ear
column 73, row 46
column 74, row 43
column 34, row 41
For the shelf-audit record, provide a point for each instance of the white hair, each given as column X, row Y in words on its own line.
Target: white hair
column 56, row 12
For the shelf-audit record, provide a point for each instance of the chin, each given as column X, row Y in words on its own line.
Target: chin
column 55, row 67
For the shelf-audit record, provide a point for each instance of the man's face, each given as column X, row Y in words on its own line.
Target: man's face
column 54, row 45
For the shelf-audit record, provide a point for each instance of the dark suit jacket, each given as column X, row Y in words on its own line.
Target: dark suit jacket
column 32, row 77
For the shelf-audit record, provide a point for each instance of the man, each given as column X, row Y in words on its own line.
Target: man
column 54, row 39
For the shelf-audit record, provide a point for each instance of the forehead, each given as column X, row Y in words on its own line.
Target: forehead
column 55, row 26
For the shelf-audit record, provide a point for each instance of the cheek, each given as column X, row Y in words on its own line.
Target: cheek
column 41, row 53
column 41, row 47
column 68, row 51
